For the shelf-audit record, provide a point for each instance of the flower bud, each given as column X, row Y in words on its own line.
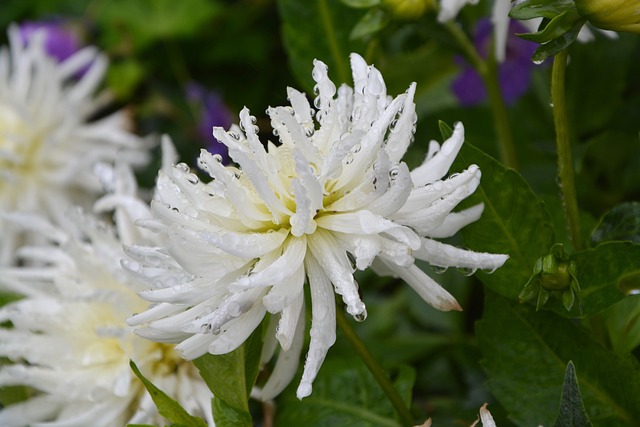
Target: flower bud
column 408, row 9
column 616, row 15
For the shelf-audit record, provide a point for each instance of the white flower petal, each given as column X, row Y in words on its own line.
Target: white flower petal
column 436, row 167
column 455, row 221
column 323, row 324
column 336, row 266
column 246, row 245
column 425, row 286
column 286, row 365
column 442, row 255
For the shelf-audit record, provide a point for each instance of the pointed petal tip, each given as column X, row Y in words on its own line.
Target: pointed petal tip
column 304, row 390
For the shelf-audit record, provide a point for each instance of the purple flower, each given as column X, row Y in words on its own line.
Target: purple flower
column 514, row 73
column 60, row 42
column 212, row 112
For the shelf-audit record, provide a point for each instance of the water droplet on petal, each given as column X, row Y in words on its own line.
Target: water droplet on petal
column 183, row 167
column 361, row 317
column 348, row 158
column 467, row 271
column 439, row 270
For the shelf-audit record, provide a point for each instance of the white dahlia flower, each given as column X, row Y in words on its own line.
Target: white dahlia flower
column 69, row 340
column 333, row 196
column 49, row 141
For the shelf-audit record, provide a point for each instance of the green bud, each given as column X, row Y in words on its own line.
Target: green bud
column 553, row 273
column 616, row 15
column 408, row 9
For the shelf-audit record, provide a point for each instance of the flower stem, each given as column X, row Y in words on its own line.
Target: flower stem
column 488, row 70
column 565, row 162
column 375, row 369
column 500, row 115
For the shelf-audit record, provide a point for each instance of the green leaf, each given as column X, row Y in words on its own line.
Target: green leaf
column 372, row 22
column 571, row 412
column 549, row 9
column 526, row 353
column 344, row 394
column 620, row 223
column 555, row 28
column 558, row 44
column 226, row 415
column 319, row 29
column 168, row 407
column 514, row 222
column 230, row 377
column 623, row 324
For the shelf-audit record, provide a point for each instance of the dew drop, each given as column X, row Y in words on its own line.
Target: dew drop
column 182, row 167
column 356, row 148
column 439, row 270
column 234, row 135
column 361, row 317
column 317, row 102
column 192, row 178
column 348, row 158
column 309, row 132
column 393, row 173
column 217, row 158
column 466, row 271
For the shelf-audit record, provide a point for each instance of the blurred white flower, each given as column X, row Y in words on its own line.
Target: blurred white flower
column 449, row 9
column 69, row 339
column 322, row 203
column 49, row 141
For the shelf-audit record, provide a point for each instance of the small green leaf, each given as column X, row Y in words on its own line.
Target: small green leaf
column 620, row 223
column 549, row 9
column 230, row 377
column 558, row 44
column 525, row 354
column 555, row 28
column 168, row 407
column 571, row 412
column 344, row 393
column 514, row 222
column 372, row 22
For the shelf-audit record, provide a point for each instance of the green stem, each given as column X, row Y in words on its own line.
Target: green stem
column 500, row 115
column 565, row 162
column 488, row 70
column 375, row 369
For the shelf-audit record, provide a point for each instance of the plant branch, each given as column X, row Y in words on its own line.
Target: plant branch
column 375, row 369
column 565, row 162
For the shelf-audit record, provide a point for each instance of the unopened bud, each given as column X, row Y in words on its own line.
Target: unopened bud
column 616, row 15
column 408, row 9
